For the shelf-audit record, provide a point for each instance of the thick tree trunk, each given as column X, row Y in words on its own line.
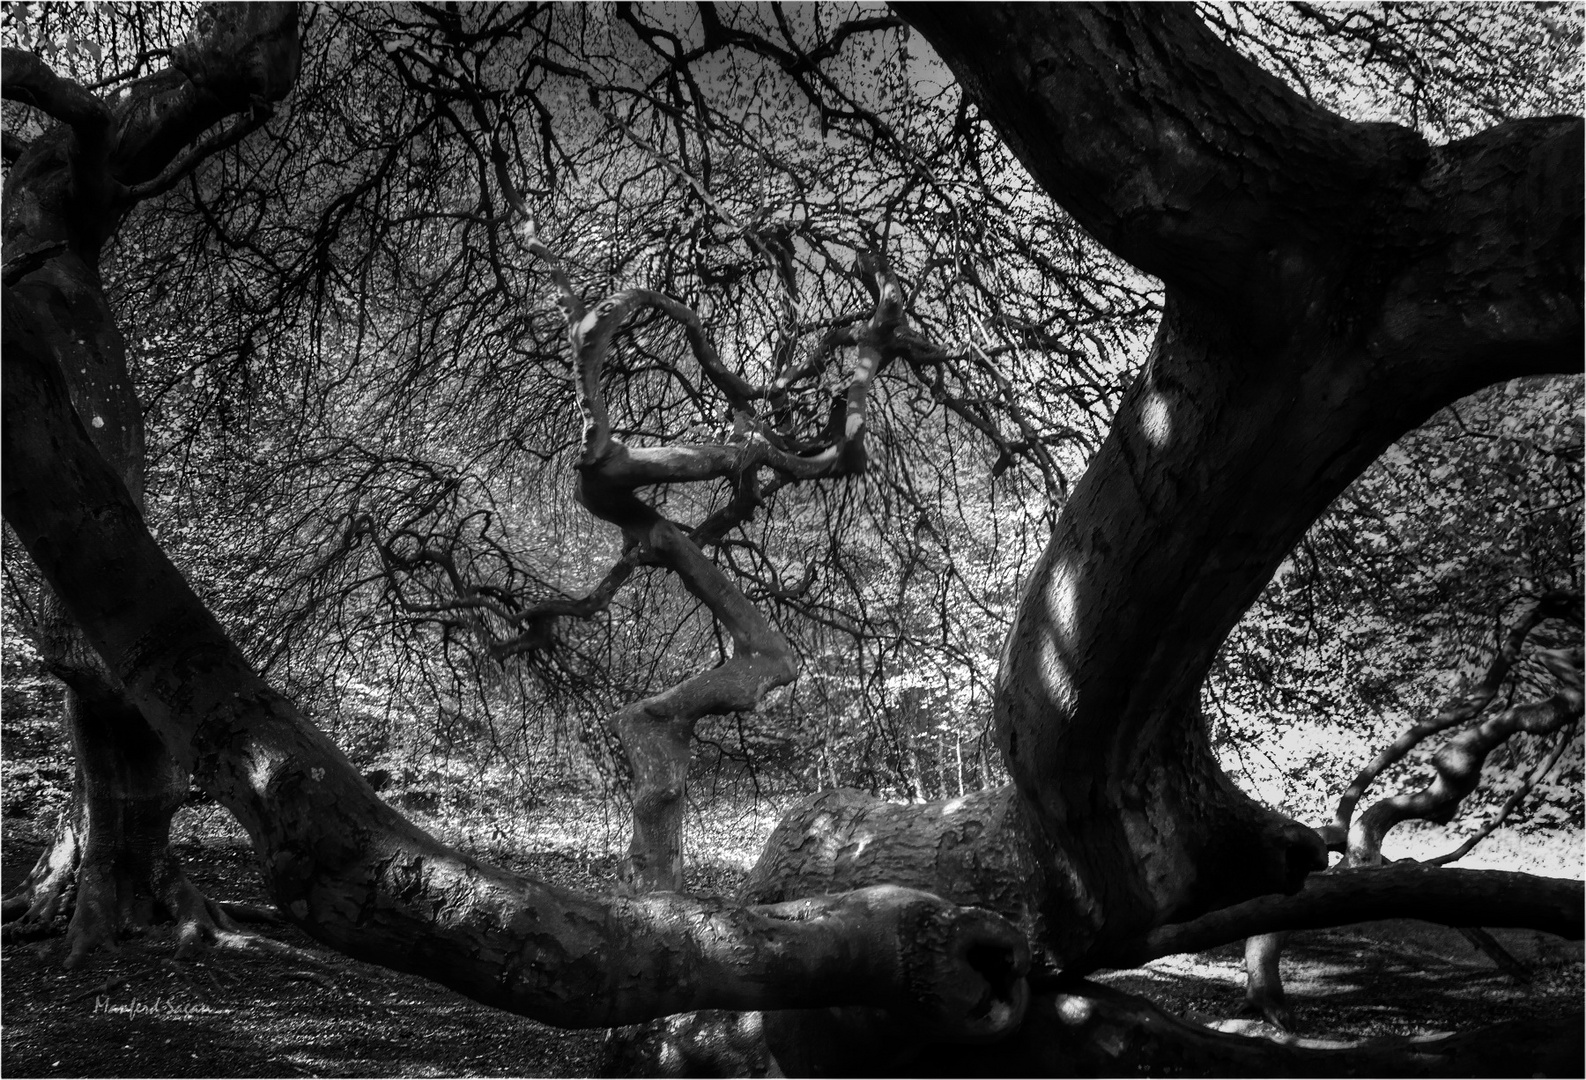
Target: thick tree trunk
column 108, row 864
column 109, row 860
column 1329, row 285
column 980, row 846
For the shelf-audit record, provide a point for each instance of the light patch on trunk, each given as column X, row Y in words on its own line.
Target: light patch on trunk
column 1063, row 601
column 1055, row 676
column 1156, row 421
column 1057, row 643
column 1073, row 1009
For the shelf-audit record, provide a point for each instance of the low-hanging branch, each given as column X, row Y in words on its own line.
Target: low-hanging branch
column 1561, row 742
column 1399, row 891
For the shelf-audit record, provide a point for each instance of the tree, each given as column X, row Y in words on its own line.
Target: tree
column 1458, row 770
column 1292, row 351
column 1329, row 285
column 891, row 945
column 67, row 192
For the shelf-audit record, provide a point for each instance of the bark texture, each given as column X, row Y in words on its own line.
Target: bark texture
column 108, row 862
column 1329, row 285
column 978, row 846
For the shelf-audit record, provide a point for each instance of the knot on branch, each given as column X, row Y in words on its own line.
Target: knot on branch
column 960, row 969
column 243, row 51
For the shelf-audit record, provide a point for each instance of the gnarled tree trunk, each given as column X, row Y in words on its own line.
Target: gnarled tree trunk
column 109, row 861
column 1329, row 285
column 355, row 875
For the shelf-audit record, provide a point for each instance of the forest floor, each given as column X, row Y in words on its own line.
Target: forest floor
column 139, row 1012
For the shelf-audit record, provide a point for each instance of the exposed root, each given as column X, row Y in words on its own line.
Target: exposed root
column 1275, row 1014
column 199, row 920
column 41, row 905
column 29, row 930
column 95, row 899
column 242, row 941
column 251, row 913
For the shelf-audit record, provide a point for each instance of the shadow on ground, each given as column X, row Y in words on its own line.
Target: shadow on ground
column 139, row 1012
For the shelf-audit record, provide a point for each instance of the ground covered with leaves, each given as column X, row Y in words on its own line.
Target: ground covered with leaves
column 300, row 1011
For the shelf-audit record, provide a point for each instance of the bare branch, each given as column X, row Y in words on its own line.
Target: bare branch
column 1560, row 744
column 1459, row 764
column 1463, row 707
